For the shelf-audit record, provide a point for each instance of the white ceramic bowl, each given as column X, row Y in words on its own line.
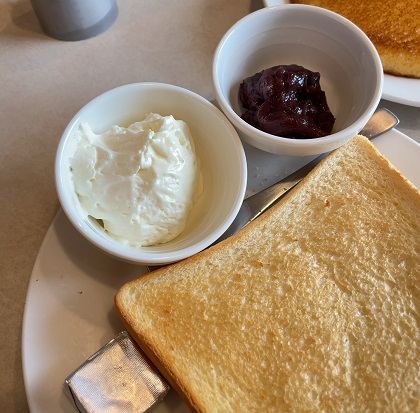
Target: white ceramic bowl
column 223, row 165
column 317, row 39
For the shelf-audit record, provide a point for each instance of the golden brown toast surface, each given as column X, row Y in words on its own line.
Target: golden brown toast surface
column 392, row 26
column 313, row 307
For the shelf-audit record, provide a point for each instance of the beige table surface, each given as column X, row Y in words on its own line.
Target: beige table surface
column 44, row 82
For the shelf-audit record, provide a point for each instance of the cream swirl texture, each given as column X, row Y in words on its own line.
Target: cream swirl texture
column 140, row 181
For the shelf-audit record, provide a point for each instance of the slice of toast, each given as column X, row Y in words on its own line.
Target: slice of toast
column 392, row 26
column 312, row 307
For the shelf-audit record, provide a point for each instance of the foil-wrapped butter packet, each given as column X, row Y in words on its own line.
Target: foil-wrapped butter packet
column 117, row 378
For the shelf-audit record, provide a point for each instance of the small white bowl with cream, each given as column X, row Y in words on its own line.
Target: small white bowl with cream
column 150, row 173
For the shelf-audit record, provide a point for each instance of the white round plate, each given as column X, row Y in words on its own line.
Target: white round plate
column 397, row 89
column 70, row 312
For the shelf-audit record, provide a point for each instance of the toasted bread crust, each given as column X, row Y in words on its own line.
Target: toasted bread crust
column 392, row 26
column 312, row 307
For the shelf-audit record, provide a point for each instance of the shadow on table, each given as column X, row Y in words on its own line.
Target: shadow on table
column 22, row 21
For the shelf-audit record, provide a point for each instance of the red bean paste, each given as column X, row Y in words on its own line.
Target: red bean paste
column 286, row 101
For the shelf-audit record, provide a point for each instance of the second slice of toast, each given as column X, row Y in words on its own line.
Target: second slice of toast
column 312, row 307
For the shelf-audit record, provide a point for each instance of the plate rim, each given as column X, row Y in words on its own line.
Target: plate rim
column 28, row 347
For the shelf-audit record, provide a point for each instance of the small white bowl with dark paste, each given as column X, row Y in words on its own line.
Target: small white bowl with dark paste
column 311, row 37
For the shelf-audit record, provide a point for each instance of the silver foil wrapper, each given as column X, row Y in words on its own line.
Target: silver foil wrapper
column 118, row 378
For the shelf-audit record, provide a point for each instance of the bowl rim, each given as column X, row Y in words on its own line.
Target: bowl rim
column 130, row 254
column 267, row 138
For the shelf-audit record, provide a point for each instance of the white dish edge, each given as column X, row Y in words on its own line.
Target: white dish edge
column 69, row 311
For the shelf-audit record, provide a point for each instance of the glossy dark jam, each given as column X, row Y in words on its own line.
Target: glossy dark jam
column 286, row 101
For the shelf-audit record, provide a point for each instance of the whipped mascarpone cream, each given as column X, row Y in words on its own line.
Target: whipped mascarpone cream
column 141, row 181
